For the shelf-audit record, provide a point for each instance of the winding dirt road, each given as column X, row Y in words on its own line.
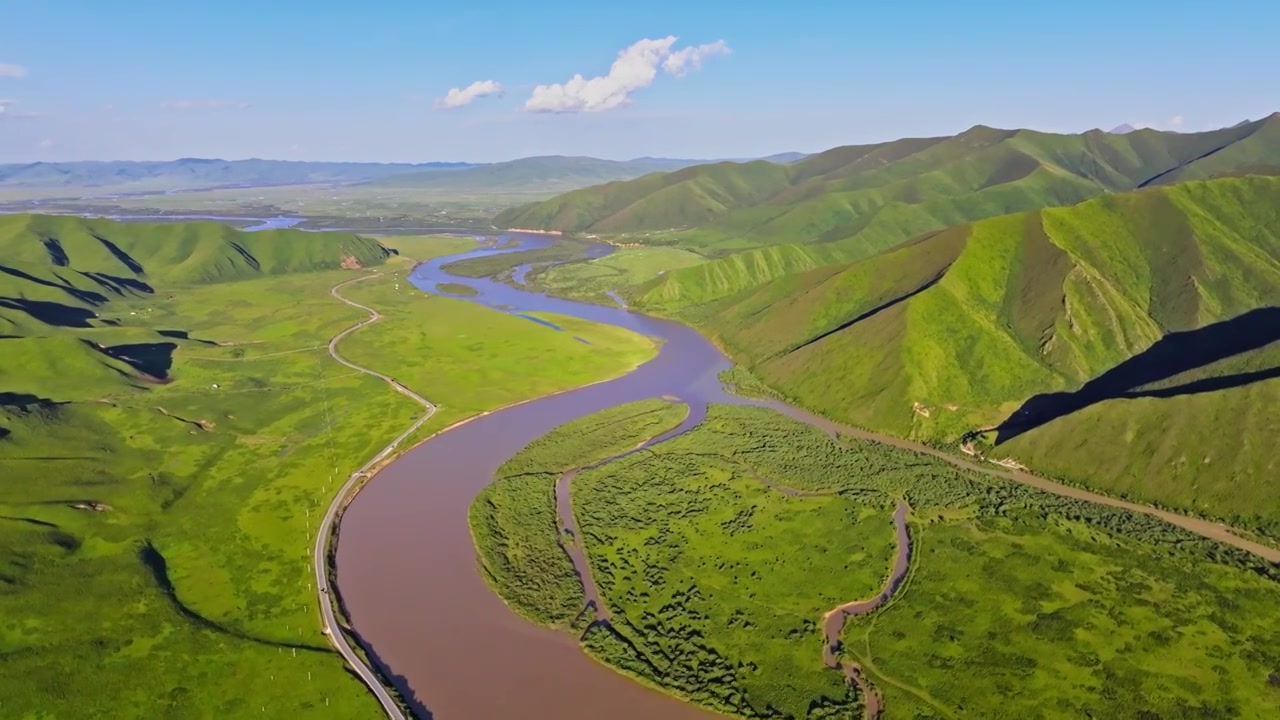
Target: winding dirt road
column 332, row 630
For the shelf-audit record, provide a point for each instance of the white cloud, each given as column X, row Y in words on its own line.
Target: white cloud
column 681, row 62
column 209, row 104
column 12, row 71
column 46, row 145
column 7, row 110
column 1175, row 122
column 457, row 97
column 635, row 68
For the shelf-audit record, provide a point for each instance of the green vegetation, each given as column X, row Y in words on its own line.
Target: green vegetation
column 514, row 523
column 457, row 289
column 848, row 203
column 170, row 438
column 622, row 269
column 1152, row 298
column 719, row 551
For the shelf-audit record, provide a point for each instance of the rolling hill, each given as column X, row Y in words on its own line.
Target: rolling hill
column 1130, row 342
column 760, row 220
column 59, row 273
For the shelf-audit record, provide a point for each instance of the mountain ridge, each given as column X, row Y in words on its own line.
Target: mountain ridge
column 851, row 202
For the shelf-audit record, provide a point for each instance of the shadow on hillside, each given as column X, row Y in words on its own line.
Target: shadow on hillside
column 51, row 313
column 158, row 567
column 57, row 255
column 84, row 296
column 125, row 258
column 153, row 359
column 25, row 401
column 183, row 335
column 1172, row 355
column 117, row 284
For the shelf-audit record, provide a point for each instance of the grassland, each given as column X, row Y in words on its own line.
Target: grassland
column 718, row 552
column 1095, row 341
column 622, row 269
column 513, row 521
column 764, row 221
column 172, row 436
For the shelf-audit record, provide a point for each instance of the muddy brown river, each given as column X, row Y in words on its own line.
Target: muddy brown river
column 408, row 573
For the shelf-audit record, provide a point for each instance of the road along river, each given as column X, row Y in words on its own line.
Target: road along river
column 408, row 573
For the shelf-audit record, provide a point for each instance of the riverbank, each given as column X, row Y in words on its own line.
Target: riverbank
column 473, row 453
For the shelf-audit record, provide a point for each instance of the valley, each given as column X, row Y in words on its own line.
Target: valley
column 800, row 491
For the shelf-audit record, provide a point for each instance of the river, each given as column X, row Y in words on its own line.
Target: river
column 410, row 579
column 408, row 573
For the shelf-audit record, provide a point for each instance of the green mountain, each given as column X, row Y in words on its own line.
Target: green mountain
column 1130, row 342
column 59, row 272
column 760, row 220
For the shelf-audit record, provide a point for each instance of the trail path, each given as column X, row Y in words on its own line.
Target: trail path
column 332, row 630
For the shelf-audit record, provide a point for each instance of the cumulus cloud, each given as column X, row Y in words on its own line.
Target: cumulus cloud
column 683, row 61
column 12, row 71
column 635, row 68
column 204, row 104
column 1175, row 122
column 457, row 97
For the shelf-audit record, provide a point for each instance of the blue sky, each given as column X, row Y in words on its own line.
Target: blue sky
column 320, row 80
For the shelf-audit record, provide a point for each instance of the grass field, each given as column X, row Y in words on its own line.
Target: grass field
column 181, row 585
column 719, row 551
column 513, row 521
column 620, row 270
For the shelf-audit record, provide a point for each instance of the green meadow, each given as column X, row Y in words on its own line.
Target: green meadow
column 718, row 552
column 1092, row 343
column 513, row 520
column 172, row 430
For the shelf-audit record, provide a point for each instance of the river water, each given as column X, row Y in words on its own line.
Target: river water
column 407, row 570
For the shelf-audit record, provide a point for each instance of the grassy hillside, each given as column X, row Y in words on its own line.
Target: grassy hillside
column 169, row 439
column 851, row 202
column 1098, row 342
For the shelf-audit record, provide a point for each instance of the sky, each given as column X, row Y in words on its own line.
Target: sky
column 415, row 81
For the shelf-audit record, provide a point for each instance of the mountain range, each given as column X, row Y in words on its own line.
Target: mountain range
column 545, row 174
column 761, row 220
column 1101, row 307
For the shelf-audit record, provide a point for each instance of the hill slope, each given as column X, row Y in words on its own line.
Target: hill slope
column 59, row 271
column 851, row 202
column 1098, row 342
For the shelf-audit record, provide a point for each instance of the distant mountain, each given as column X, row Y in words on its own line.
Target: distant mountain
column 786, row 157
column 544, row 174
column 191, row 173
column 1124, row 129
column 547, row 175
column 761, row 220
